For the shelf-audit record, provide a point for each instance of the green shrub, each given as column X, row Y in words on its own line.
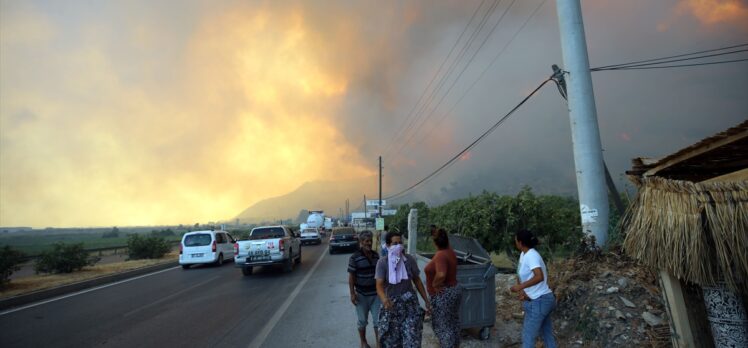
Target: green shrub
column 9, row 261
column 146, row 247
column 163, row 233
column 114, row 233
column 64, row 258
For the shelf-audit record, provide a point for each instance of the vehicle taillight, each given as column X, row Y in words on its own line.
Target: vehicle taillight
column 180, row 248
column 236, row 248
column 280, row 245
column 213, row 247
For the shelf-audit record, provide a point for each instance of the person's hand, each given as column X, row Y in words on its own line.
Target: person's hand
column 523, row 296
column 354, row 300
column 515, row 288
column 428, row 308
column 387, row 304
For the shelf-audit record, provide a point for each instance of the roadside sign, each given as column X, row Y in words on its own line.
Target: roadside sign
column 389, row 212
column 375, row 202
column 380, row 224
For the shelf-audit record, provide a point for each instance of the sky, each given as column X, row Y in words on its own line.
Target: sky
column 165, row 112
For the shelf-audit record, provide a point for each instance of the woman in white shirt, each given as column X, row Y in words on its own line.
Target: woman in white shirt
column 532, row 286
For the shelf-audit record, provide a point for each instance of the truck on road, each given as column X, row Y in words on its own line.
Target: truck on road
column 268, row 245
column 316, row 219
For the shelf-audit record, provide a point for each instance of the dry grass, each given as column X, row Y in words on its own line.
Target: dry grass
column 695, row 231
column 500, row 260
column 37, row 282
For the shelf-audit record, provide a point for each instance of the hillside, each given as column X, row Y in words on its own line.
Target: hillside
column 329, row 196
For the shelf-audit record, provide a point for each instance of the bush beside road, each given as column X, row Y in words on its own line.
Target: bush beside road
column 26, row 281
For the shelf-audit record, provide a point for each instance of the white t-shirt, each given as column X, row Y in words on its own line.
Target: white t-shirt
column 527, row 262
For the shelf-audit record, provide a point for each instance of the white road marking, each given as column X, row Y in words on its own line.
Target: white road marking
column 83, row 291
column 168, row 297
column 260, row 338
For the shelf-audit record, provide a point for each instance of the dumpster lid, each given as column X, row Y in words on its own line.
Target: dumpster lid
column 469, row 250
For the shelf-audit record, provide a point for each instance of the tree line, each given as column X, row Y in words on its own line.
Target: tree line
column 493, row 219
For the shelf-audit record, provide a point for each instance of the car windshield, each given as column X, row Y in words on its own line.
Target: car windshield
column 267, row 233
column 197, row 240
column 344, row 232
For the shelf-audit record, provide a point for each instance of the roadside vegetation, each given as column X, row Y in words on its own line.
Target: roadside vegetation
column 64, row 258
column 493, row 219
column 10, row 261
column 33, row 243
column 147, row 247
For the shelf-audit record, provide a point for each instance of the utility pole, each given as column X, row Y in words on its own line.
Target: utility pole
column 585, row 135
column 380, row 186
column 366, row 210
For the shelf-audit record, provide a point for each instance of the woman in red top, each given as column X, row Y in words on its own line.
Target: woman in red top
column 441, row 284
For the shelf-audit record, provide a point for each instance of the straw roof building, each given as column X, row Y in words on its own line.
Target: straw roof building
column 689, row 221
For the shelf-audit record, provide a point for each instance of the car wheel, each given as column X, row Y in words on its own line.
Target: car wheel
column 288, row 265
column 332, row 251
column 219, row 262
column 247, row 271
column 185, row 266
column 298, row 259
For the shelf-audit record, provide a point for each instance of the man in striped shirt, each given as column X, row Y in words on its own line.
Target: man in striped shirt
column 361, row 268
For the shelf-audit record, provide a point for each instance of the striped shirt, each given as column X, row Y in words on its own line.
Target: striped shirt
column 363, row 270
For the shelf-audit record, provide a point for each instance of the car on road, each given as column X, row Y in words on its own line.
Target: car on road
column 343, row 238
column 268, row 245
column 311, row 236
column 203, row 247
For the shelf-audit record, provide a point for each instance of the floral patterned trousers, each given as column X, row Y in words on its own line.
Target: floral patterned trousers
column 402, row 325
column 445, row 318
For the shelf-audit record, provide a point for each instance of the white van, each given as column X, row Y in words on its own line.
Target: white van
column 199, row 247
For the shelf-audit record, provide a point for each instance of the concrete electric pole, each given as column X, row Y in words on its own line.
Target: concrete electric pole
column 380, row 186
column 588, row 157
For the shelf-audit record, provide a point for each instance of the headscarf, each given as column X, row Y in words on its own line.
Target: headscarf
column 396, row 264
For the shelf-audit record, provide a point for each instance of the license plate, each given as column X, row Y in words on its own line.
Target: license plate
column 260, row 252
column 197, row 255
column 259, row 258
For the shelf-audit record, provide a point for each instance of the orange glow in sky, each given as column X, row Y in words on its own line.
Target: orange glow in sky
column 245, row 112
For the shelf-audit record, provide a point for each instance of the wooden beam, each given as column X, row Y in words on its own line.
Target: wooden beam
column 695, row 152
column 680, row 326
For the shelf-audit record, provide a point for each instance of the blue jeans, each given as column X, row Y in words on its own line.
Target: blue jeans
column 365, row 305
column 538, row 321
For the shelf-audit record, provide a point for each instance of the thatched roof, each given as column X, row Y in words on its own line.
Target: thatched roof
column 698, row 232
column 692, row 227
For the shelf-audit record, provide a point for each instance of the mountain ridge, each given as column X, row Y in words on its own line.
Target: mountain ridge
column 324, row 195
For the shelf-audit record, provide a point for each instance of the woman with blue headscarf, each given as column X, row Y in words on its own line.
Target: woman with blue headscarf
column 401, row 317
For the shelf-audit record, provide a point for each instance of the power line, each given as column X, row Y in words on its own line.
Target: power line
column 449, row 89
column 674, row 66
column 407, row 134
column 464, row 30
column 483, row 74
column 473, row 144
column 412, row 117
column 653, row 60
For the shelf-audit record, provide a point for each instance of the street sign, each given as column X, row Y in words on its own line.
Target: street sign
column 375, row 202
column 380, row 224
column 389, row 212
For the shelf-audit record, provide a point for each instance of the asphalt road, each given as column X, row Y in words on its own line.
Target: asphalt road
column 205, row 306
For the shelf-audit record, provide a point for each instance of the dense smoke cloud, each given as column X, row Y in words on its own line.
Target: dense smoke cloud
column 178, row 112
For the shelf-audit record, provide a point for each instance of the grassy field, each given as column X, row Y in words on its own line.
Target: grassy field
column 45, row 281
column 33, row 244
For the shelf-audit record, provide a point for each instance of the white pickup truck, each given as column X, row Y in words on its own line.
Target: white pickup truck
column 268, row 245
